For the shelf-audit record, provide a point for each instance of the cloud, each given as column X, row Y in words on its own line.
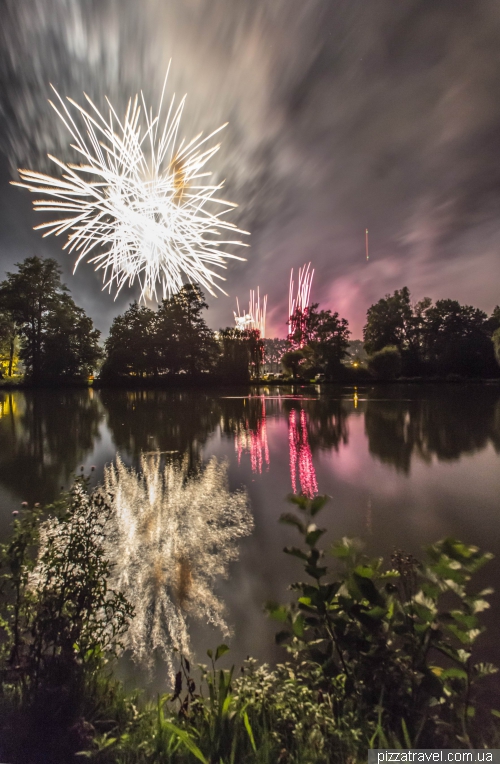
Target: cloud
column 342, row 115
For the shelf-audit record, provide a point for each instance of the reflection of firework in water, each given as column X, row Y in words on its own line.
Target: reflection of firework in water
column 174, row 535
column 254, row 442
column 256, row 316
column 298, row 302
column 301, row 456
column 137, row 204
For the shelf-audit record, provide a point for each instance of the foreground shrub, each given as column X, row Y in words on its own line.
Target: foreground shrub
column 379, row 656
column 59, row 622
column 395, row 644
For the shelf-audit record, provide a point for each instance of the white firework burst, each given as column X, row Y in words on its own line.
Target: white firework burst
column 172, row 537
column 139, row 205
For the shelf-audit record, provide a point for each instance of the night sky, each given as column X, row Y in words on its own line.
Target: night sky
column 343, row 115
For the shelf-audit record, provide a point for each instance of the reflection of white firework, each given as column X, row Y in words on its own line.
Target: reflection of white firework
column 173, row 536
column 137, row 203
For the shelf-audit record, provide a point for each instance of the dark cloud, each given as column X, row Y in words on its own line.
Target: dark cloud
column 344, row 114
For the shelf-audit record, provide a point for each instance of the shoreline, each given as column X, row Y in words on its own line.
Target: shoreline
column 196, row 384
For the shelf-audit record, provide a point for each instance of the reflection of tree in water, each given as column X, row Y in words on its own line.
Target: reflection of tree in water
column 44, row 436
column 326, row 421
column 157, row 420
column 173, row 536
column 448, row 423
column 253, row 440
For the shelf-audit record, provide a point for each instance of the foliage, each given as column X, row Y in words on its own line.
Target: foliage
column 59, row 619
column 325, row 335
column 234, row 360
column 394, row 645
column 186, row 342
column 389, row 322
column 130, row 346
column 174, row 339
column 379, row 656
column 274, row 350
column 457, row 340
column 9, row 345
column 385, row 363
column 442, row 338
column 496, row 344
column 356, row 352
column 58, row 339
column 292, row 360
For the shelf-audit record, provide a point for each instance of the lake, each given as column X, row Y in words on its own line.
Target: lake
column 403, row 466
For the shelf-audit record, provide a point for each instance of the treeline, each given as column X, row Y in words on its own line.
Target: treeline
column 174, row 341
column 442, row 339
column 48, row 338
column 42, row 332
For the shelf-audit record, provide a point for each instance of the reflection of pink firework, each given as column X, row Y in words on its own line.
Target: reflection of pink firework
column 298, row 304
column 300, row 453
column 254, row 442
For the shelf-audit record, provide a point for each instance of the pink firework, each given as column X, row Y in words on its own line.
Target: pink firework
column 298, row 302
column 254, row 442
column 301, row 456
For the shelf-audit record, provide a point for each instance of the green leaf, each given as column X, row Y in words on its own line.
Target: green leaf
column 298, row 626
column 314, row 535
column 187, row 740
column 281, row 637
column 292, row 550
column 317, row 504
column 288, row 519
column 454, row 673
column 278, row 612
column 221, row 650
column 368, row 589
column 248, row 728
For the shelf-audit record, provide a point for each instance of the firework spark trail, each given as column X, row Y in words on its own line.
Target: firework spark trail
column 298, row 302
column 136, row 206
column 301, row 456
column 173, row 536
column 254, row 442
column 256, row 316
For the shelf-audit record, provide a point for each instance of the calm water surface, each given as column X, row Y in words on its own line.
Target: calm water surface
column 404, row 466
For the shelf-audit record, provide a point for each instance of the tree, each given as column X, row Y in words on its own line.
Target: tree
column 292, row 361
column 494, row 320
column 326, row 335
column 273, row 352
column 356, row 352
column 457, row 340
column 389, row 322
column 496, row 344
column 184, row 339
column 9, row 344
column 385, row 363
column 256, row 351
column 58, row 338
column 131, row 344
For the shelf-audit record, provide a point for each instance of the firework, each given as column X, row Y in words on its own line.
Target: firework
column 298, row 302
column 139, row 205
column 301, row 456
column 173, row 536
column 256, row 316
